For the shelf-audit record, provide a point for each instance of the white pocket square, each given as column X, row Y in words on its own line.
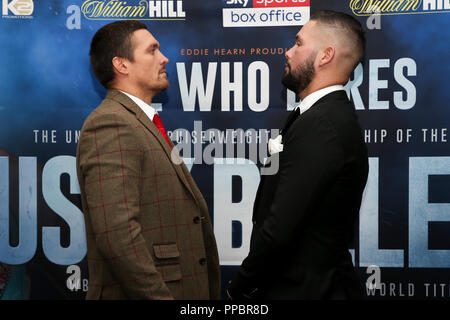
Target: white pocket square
column 275, row 145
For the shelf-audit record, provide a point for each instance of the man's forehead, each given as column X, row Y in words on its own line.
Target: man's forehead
column 307, row 28
column 144, row 37
column 313, row 32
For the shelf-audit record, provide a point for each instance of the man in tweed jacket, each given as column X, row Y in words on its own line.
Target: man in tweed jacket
column 149, row 233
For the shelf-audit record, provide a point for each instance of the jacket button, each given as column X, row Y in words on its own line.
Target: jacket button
column 196, row 220
column 202, row 261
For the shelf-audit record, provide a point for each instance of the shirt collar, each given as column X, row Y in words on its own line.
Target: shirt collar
column 312, row 98
column 148, row 109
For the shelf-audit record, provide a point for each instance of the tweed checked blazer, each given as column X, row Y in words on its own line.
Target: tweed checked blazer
column 149, row 234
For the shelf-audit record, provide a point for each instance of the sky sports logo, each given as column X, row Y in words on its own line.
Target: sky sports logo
column 265, row 13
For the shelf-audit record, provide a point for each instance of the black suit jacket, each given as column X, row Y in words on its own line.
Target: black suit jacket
column 305, row 214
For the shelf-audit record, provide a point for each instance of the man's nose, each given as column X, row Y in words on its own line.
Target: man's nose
column 288, row 53
column 164, row 59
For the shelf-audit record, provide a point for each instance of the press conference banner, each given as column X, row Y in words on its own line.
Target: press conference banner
column 224, row 102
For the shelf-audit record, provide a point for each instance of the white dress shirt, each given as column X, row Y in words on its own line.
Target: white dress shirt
column 312, row 98
column 148, row 109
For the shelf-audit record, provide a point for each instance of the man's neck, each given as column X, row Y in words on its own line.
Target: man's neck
column 313, row 87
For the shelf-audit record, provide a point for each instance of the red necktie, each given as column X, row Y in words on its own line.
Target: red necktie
column 158, row 123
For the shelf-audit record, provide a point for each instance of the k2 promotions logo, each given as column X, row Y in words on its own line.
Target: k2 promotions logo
column 265, row 13
column 17, row 9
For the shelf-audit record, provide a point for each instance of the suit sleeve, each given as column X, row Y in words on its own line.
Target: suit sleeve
column 311, row 160
column 110, row 162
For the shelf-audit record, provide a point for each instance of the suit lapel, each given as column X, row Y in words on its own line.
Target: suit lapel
column 335, row 95
column 147, row 123
column 290, row 120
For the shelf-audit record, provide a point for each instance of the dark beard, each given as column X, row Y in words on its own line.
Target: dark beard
column 301, row 79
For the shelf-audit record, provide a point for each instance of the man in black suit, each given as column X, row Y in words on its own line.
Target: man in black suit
column 305, row 214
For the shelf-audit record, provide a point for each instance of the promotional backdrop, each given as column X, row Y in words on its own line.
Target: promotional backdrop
column 225, row 100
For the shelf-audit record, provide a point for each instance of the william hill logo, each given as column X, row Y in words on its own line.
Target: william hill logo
column 133, row 10
column 395, row 7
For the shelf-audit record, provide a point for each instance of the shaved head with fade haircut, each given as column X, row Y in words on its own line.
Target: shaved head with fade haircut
column 326, row 51
column 345, row 31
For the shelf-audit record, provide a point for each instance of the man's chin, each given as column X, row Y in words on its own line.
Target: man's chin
column 288, row 82
column 164, row 86
column 160, row 87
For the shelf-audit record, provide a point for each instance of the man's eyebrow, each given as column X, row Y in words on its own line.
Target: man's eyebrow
column 153, row 45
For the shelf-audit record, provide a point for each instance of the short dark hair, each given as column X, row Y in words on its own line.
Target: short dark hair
column 112, row 40
column 348, row 23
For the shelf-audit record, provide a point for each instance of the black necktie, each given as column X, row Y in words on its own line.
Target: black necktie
column 291, row 118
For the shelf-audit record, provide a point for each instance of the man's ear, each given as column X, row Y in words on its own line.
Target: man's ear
column 120, row 65
column 327, row 56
